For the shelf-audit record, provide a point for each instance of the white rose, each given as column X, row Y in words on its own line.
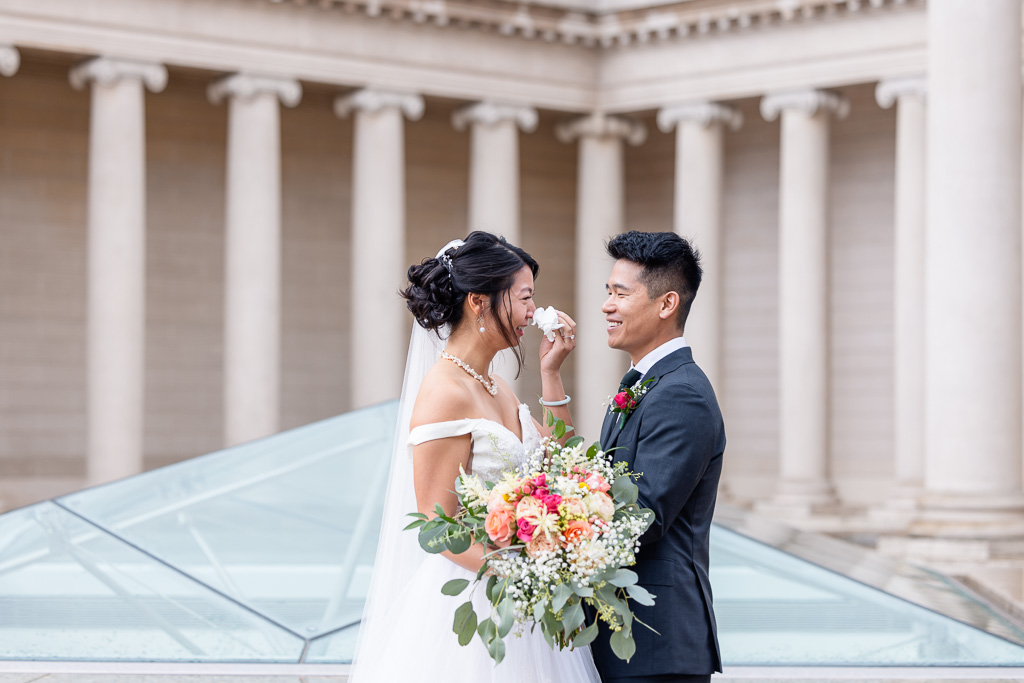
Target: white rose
column 547, row 320
column 601, row 505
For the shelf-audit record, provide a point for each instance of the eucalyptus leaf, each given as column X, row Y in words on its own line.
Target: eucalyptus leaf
column 624, row 490
column 641, row 595
column 414, row 524
column 574, row 441
column 549, row 417
column 559, row 429
column 455, row 586
column 506, row 617
column 464, row 616
column 538, row 610
column 592, row 451
column 486, row 630
column 431, row 538
column 480, row 572
column 492, row 581
column 623, row 577
column 572, row 616
column 496, row 648
column 418, row 515
column 583, row 591
column 562, row 593
column 468, row 630
column 586, row 636
column 623, row 645
column 458, row 543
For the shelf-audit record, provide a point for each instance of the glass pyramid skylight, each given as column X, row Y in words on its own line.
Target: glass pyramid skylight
column 263, row 552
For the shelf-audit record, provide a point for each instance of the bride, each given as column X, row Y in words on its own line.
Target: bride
column 471, row 301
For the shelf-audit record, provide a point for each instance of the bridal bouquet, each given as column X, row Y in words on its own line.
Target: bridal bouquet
column 560, row 532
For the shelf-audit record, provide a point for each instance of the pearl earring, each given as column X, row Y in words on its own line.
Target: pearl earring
column 480, row 321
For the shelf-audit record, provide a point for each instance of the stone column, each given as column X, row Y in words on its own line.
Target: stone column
column 116, row 260
column 698, row 215
column 378, row 241
column 600, row 215
column 908, row 94
column 10, row 60
column 494, row 180
column 973, row 272
column 803, row 295
column 252, row 275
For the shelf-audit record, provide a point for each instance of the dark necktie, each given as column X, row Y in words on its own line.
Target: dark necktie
column 629, row 379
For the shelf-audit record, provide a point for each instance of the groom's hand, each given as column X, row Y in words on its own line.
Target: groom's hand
column 554, row 353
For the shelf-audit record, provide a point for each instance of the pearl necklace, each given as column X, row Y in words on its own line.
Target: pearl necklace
column 491, row 387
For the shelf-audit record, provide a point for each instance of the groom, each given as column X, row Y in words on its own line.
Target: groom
column 675, row 437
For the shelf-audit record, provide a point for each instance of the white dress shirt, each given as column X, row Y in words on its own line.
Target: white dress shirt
column 648, row 361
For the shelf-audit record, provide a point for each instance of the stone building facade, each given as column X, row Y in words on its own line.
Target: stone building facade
column 207, row 206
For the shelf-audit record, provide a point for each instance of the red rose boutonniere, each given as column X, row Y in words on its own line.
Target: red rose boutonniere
column 625, row 401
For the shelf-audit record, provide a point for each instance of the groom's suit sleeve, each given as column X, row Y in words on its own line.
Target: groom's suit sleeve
column 676, row 442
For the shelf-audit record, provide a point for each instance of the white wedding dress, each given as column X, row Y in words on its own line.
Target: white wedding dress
column 414, row 641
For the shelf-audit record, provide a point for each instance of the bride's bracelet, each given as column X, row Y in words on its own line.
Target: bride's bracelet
column 553, row 404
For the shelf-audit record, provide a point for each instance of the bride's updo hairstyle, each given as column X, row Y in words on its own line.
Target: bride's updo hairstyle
column 485, row 264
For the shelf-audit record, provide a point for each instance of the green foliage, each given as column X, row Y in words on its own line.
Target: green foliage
column 623, row 644
column 623, row 577
column 624, row 491
column 640, row 594
column 465, row 623
column 586, row 636
column 455, row 586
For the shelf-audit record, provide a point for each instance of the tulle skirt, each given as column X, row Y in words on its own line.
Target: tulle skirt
column 421, row 645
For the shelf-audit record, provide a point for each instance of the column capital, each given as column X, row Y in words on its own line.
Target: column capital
column 600, row 125
column 10, row 60
column 887, row 92
column 808, row 101
column 373, row 100
column 247, row 86
column 490, row 113
column 108, row 71
column 702, row 113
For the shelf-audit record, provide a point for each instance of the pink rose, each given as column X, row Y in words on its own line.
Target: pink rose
column 621, row 400
column 498, row 526
column 526, row 529
column 595, row 482
column 578, row 530
column 541, row 543
column 551, row 502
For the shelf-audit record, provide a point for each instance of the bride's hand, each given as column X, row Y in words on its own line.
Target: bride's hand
column 554, row 353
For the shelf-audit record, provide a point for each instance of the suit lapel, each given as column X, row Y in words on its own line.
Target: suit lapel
column 610, row 428
column 606, row 428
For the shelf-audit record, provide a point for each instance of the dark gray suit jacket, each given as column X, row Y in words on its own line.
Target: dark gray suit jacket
column 676, row 437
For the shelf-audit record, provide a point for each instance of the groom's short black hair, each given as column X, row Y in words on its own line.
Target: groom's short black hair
column 669, row 263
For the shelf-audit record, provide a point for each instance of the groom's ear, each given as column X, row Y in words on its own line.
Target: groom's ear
column 669, row 305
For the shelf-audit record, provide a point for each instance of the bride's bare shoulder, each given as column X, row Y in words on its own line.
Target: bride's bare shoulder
column 442, row 398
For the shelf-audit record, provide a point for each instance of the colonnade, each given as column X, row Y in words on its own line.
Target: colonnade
column 958, row 285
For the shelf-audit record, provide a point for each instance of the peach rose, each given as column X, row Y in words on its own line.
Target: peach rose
column 541, row 543
column 595, row 482
column 499, row 527
column 578, row 530
column 573, row 507
column 601, row 505
column 498, row 500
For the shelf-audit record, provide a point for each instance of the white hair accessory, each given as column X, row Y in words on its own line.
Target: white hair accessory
column 454, row 243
